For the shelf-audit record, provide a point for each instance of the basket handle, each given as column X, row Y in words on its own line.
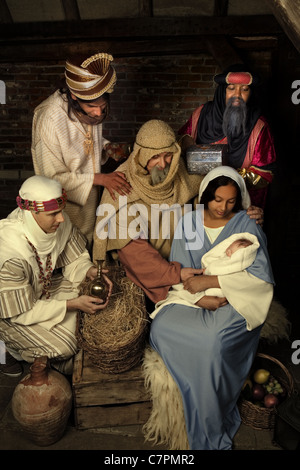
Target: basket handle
column 273, row 359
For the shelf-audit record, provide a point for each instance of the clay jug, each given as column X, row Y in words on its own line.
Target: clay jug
column 42, row 403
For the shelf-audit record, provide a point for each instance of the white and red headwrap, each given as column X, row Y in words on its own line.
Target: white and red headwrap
column 41, row 194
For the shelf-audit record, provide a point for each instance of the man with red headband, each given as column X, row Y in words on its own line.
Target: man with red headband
column 67, row 141
column 233, row 118
column 43, row 259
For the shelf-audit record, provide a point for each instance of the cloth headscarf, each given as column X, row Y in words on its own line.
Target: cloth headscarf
column 153, row 138
column 210, row 122
column 230, row 173
column 91, row 78
column 178, row 188
column 37, row 194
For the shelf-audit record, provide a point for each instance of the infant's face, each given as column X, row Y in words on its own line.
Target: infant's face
column 236, row 245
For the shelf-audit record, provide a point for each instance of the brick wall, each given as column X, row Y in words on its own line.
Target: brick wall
column 168, row 88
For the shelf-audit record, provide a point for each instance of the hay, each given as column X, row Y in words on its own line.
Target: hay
column 277, row 325
column 115, row 337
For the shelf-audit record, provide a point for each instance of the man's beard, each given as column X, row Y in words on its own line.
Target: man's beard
column 158, row 175
column 234, row 118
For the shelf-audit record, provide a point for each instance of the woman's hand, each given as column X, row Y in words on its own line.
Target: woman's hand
column 186, row 273
column 256, row 213
column 113, row 182
column 211, row 302
column 194, row 284
column 200, row 283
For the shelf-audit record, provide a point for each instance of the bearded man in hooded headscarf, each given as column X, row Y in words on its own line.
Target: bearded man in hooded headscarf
column 235, row 119
column 161, row 187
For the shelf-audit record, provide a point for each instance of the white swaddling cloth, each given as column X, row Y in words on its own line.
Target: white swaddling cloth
column 216, row 263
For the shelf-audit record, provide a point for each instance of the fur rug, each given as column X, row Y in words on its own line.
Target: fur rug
column 166, row 424
column 277, row 326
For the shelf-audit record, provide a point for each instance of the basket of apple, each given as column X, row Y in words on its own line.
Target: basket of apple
column 263, row 390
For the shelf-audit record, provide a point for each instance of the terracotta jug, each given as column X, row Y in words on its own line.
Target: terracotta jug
column 42, row 403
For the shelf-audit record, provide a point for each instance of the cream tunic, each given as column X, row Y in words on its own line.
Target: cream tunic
column 30, row 324
column 70, row 152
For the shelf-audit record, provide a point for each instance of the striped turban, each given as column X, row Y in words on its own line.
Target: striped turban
column 90, row 79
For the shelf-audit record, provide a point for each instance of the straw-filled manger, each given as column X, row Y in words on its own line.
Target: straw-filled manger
column 115, row 338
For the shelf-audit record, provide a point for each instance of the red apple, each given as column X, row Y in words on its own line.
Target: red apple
column 270, row 400
column 258, row 392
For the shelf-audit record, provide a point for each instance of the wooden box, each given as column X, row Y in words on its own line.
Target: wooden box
column 108, row 400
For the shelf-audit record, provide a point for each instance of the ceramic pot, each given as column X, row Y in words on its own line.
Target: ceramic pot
column 42, row 403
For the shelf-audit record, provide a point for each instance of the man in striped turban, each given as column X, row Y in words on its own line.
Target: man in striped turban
column 67, row 140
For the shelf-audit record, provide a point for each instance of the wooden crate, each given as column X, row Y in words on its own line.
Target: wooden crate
column 108, row 400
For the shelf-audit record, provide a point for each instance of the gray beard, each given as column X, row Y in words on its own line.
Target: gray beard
column 234, row 118
column 158, row 175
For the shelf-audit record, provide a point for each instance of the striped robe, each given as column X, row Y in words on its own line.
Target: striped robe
column 71, row 152
column 30, row 324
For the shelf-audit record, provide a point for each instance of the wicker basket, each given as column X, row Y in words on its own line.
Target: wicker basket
column 115, row 337
column 258, row 417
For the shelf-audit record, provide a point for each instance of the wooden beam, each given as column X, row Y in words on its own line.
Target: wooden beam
column 221, row 7
column 5, row 15
column 142, row 27
column 287, row 13
column 71, row 10
column 51, row 52
column 146, row 7
column 261, row 43
column 223, row 53
column 219, row 48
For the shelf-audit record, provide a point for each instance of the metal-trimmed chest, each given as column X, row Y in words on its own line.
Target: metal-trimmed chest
column 201, row 159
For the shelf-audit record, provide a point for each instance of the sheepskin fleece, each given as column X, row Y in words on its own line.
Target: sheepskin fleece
column 166, row 424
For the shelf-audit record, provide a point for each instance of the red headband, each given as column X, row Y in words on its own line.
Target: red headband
column 238, row 75
column 239, row 78
column 42, row 206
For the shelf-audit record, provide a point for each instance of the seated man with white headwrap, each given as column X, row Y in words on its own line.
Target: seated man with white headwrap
column 43, row 260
